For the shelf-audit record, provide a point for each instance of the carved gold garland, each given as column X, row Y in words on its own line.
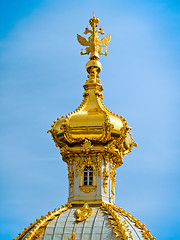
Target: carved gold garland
column 99, row 163
column 71, row 179
column 119, row 226
column 145, row 232
column 105, row 179
column 35, row 229
column 112, row 177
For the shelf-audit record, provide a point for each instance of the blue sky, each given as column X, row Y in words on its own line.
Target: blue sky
column 41, row 78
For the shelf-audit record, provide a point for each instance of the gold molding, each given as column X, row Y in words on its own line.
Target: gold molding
column 91, row 202
column 77, row 160
column 89, row 196
column 71, row 179
column 105, row 179
column 99, row 163
column 87, row 189
column 36, row 229
column 112, row 177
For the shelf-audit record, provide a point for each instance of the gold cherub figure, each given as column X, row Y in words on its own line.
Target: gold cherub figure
column 94, row 42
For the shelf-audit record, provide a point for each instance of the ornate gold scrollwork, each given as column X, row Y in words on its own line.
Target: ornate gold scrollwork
column 71, row 179
column 119, row 226
column 86, row 146
column 88, row 161
column 88, row 189
column 99, row 163
column 106, row 159
column 105, row 179
column 77, row 163
column 112, row 177
column 83, row 213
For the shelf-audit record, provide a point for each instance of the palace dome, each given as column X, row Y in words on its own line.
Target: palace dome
column 105, row 222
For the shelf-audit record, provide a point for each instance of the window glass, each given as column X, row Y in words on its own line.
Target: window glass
column 88, row 176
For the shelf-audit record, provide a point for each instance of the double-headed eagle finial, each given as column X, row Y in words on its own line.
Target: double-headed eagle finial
column 94, row 42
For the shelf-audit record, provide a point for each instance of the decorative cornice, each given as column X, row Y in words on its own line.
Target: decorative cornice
column 35, row 229
column 99, row 151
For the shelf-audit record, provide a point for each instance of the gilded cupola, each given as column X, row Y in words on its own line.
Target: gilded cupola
column 93, row 142
column 92, row 121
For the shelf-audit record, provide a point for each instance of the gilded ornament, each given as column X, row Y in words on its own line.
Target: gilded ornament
column 88, row 161
column 88, row 189
column 99, row 163
column 77, row 163
column 71, row 179
column 86, row 146
column 64, row 149
column 73, row 237
column 105, row 179
column 112, row 177
column 120, row 228
column 94, row 44
column 83, row 213
column 106, row 159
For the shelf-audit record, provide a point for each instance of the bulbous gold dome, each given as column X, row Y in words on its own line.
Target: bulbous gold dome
column 92, row 121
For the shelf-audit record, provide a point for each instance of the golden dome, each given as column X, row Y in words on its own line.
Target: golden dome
column 92, row 121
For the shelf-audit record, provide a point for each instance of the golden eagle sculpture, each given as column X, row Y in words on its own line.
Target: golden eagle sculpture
column 94, row 43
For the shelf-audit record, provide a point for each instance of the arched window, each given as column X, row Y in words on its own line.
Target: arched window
column 88, row 176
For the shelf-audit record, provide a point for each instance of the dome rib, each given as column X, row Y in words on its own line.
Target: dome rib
column 120, row 228
column 145, row 232
column 35, row 229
